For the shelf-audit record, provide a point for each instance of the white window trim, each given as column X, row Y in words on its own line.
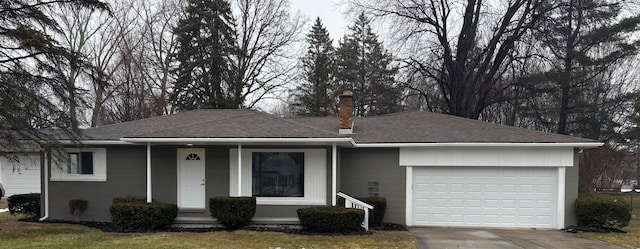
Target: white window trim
column 59, row 169
column 315, row 177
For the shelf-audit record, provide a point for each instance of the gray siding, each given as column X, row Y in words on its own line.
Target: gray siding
column 164, row 174
column 360, row 166
column 571, row 191
column 126, row 175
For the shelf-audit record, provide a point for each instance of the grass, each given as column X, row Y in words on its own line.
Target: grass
column 17, row 234
column 631, row 239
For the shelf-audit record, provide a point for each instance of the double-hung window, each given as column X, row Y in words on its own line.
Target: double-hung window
column 79, row 164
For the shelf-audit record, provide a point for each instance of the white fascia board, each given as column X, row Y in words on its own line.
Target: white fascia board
column 402, row 145
column 329, row 141
column 95, row 142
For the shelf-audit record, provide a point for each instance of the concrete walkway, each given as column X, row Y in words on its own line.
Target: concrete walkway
column 442, row 238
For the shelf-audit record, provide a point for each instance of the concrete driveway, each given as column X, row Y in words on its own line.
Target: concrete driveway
column 442, row 238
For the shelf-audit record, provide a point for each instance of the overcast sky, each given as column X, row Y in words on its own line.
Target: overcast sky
column 329, row 11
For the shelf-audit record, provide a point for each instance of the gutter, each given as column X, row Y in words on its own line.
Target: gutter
column 402, row 145
column 238, row 140
column 46, row 186
column 95, row 142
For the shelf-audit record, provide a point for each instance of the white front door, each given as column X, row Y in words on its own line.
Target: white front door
column 191, row 179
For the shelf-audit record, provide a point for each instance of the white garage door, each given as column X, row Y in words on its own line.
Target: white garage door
column 485, row 196
column 20, row 177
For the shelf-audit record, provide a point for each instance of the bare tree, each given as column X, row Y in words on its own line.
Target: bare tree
column 109, row 51
column 265, row 61
column 144, row 45
column 601, row 167
column 460, row 48
column 78, row 27
column 100, row 39
column 160, row 45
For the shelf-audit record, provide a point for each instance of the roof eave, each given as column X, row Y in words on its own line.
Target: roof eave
column 584, row 145
column 94, row 142
column 325, row 141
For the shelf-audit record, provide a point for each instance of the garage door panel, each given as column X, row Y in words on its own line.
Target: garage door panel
column 512, row 197
column 20, row 175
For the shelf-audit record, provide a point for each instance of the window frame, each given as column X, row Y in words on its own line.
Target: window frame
column 81, row 160
column 60, row 163
column 315, row 177
column 298, row 166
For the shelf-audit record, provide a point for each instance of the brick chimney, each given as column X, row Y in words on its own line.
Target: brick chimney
column 346, row 112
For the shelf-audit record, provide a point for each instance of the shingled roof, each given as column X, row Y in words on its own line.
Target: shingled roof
column 429, row 127
column 403, row 127
column 209, row 123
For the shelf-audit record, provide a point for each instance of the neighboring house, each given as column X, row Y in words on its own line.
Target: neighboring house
column 433, row 169
column 20, row 172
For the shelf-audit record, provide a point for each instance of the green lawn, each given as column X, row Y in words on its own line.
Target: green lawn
column 631, row 239
column 16, row 234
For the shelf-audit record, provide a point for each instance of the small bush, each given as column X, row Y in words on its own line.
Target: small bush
column 27, row 204
column 129, row 199
column 142, row 215
column 379, row 208
column 233, row 212
column 602, row 211
column 77, row 207
column 331, row 219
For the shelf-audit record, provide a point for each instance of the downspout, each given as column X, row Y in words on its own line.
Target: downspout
column 239, row 169
column 45, row 190
column 149, row 193
column 334, row 166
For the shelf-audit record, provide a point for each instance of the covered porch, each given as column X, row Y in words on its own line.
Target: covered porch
column 284, row 174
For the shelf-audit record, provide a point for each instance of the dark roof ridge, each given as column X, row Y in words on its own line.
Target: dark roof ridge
column 393, row 114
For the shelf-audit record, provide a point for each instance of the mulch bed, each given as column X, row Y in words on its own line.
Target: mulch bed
column 578, row 229
column 108, row 227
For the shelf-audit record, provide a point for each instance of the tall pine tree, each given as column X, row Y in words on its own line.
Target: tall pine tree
column 205, row 44
column 364, row 67
column 585, row 39
column 314, row 96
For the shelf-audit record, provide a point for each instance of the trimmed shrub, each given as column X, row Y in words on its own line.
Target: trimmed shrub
column 142, row 215
column 331, row 219
column 379, row 208
column 77, row 207
column 602, row 211
column 27, row 204
column 233, row 212
column 129, row 199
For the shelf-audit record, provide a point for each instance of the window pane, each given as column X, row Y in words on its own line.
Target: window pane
column 74, row 162
column 86, row 163
column 80, row 163
column 278, row 174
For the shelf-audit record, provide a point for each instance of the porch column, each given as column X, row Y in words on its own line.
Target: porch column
column 149, row 193
column 334, row 167
column 239, row 169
